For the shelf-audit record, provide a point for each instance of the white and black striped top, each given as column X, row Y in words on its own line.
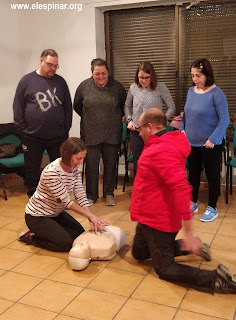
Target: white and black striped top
column 54, row 189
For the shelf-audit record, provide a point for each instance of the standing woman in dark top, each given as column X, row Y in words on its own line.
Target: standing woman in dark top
column 99, row 101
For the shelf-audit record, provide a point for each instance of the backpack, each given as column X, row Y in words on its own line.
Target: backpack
column 7, row 150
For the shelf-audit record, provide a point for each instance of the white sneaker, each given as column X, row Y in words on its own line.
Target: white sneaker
column 91, row 202
column 110, row 200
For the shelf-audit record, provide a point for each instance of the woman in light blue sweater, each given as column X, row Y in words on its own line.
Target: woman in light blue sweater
column 204, row 122
column 144, row 94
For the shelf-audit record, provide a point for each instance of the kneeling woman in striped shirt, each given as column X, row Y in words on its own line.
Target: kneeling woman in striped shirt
column 50, row 226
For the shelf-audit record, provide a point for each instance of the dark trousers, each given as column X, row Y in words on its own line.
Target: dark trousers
column 209, row 159
column 162, row 248
column 136, row 145
column 54, row 233
column 109, row 154
column 33, row 154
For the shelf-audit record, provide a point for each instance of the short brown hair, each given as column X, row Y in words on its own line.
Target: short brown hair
column 69, row 147
column 204, row 65
column 154, row 116
column 49, row 52
column 97, row 63
column 147, row 67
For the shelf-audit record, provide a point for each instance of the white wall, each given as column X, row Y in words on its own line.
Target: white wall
column 78, row 37
column 25, row 34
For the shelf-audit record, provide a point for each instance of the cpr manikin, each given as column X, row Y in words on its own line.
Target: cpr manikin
column 102, row 245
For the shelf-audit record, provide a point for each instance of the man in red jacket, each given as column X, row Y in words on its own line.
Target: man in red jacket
column 161, row 203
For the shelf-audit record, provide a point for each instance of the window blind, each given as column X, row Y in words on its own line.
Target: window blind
column 209, row 30
column 172, row 39
column 137, row 35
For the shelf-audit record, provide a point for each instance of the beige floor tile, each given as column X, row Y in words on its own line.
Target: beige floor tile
column 2, row 272
column 129, row 227
column 113, row 217
column 186, row 315
column 19, row 311
column 116, row 282
column 116, row 279
column 6, row 237
column 10, row 258
column 4, row 305
column 227, row 229
column 18, row 245
column 224, row 243
column 153, row 289
column 61, row 255
column 94, row 305
column 51, row 295
column 4, row 221
column 16, row 211
column 141, row 310
column 204, row 236
column 39, row 266
column 231, row 210
column 217, row 305
column 210, row 227
column 222, row 256
column 230, row 217
column 62, row 317
column 126, row 217
column 18, row 225
column 125, row 261
column 78, row 278
column 13, row 286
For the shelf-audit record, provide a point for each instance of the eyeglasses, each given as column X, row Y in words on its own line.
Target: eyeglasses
column 51, row 65
column 142, row 125
column 144, row 78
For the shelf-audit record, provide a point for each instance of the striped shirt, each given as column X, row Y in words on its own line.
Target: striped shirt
column 54, row 189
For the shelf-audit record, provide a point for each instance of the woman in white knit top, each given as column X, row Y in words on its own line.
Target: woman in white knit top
column 144, row 94
column 50, row 226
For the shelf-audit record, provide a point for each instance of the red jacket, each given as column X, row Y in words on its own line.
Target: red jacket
column 161, row 194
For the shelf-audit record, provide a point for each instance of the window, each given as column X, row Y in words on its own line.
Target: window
column 172, row 37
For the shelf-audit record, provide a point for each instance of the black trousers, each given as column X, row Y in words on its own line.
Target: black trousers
column 109, row 154
column 136, row 145
column 33, row 154
column 209, row 159
column 162, row 248
column 54, row 233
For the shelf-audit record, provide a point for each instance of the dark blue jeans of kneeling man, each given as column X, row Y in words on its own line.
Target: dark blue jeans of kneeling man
column 162, row 248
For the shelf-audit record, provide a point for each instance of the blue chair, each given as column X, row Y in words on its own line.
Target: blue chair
column 15, row 164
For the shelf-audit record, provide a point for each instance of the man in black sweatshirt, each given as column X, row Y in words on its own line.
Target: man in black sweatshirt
column 43, row 115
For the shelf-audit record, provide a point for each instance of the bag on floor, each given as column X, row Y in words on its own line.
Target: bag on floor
column 7, row 150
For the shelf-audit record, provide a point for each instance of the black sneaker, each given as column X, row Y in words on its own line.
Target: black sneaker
column 26, row 237
column 225, row 280
column 206, row 253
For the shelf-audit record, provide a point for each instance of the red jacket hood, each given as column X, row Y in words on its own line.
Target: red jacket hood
column 175, row 138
